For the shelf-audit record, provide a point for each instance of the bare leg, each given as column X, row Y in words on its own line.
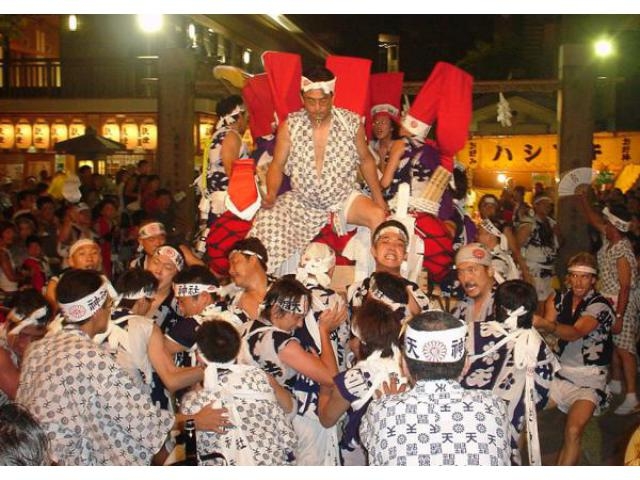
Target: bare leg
column 629, row 366
column 616, row 365
column 363, row 211
column 579, row 414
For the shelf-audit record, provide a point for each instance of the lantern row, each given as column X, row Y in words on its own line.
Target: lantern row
column 43, row 135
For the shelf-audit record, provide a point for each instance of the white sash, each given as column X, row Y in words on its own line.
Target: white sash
column 525, row 356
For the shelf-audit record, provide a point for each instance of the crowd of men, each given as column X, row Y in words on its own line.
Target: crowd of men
column 117, row 331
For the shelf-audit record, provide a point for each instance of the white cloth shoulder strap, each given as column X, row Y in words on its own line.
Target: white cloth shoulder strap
column 379, row 370
column 525, row 356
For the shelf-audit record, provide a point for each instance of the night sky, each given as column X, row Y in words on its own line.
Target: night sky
column 424, row 39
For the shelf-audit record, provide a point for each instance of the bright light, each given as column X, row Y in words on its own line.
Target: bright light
column 603, row 47
column 246, row 57
column 191, row 31
column 502, row 178
column 150, row 23
column 73, row 23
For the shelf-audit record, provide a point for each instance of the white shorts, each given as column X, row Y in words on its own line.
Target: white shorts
column 317, row 446
column 343, row 213
column 565, row 394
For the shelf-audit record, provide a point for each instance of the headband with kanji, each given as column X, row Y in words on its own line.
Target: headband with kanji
column 257, row 97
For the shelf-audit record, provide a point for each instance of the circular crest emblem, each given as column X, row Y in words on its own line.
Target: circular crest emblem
column 414, row 123
column 478, row 253
column 434, row 351
column 77, row 312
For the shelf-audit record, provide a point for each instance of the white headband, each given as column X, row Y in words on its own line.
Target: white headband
column 85, row 307
column 293, row 305
column 193, row 289
column 83, row 242
column 145, row 292
column 541, row 199
column 247, row 252
column 384, row 108
column 355, row 331
column 583, row 269
column 211, row 382
column 417, row 128
column 616, row 221
column 326, row 87
column 382, row 297
column 441, row 346
column 489, row 226
column 151, row 230
column 229, row 118
column 173, row 255
column 23, row 322
column 391, row 228
column 511, row 321
column 489, row 200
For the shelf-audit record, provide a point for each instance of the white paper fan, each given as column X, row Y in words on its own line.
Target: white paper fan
column 574, row 178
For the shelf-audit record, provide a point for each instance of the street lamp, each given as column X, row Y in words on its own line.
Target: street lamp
column 150, row 23
column 73, row 23
column 603, row 48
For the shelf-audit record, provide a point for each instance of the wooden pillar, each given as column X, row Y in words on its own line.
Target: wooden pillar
column 176, row 120
column 575, row 139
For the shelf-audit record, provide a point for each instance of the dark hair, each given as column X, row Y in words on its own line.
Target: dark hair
column 23, row 194
column 461, row 183
column 392, row 286
column 142, row 162
column 23, row 441
column 25, row 218
column 252, row 244
column 196, row 274
column 75, row 284
column 97, row 210
column 32, row 239
column 513, row 294
column 620, row 211
column 134, row 280
column 318, row 73
column 378, row 328
column 120, row 175
column 162, row 191
column 85, row 169
column 227, row 104
column 42, row 201
column 434, row 321
column 41, row 187
column 485, row 196
column 152, row 177
column 218, row 341
column 27, row 301
column 520, row 189
column 6, row 225
column 286, row 287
